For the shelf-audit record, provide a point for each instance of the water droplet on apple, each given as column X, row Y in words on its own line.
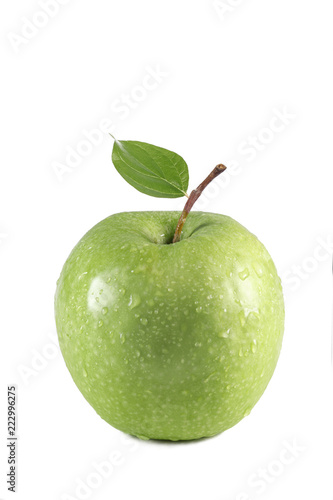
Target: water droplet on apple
column 262, row 373
column 241, row 316
column 198, row 309
column 197, row 344
column 247, row 412
column 144, row 321
column 138, row 354
column 100, row 323
column 122, row 338
column 244, row 274
column 84, row 373
column 257, row 269
column 134, row 301
column 253, row 318
column 254, row 346
column 240, row 352
column 224, row 334
column 105, row 310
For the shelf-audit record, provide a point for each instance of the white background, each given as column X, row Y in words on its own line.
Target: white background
column 227, row 71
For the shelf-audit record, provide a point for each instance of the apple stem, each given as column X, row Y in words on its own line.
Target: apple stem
column 193, row 198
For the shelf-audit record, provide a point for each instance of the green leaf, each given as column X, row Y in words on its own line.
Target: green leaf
column 150, row 169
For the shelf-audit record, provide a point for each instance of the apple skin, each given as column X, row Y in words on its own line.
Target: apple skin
column 170, row 341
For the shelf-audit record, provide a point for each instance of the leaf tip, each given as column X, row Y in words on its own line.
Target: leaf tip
column 115, row 140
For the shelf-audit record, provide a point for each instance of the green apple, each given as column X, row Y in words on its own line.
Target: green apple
column 167, row 340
